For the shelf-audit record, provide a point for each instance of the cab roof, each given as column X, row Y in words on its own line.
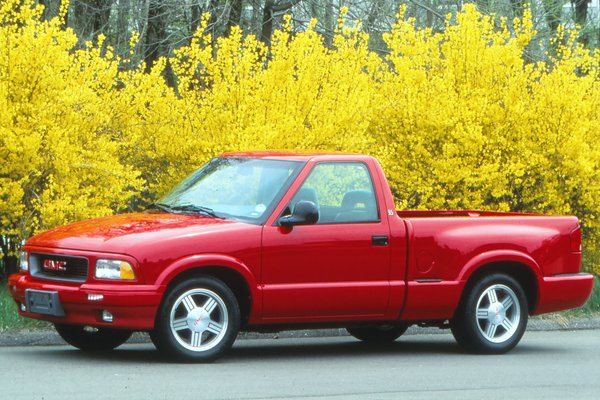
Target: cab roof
column 298, row 156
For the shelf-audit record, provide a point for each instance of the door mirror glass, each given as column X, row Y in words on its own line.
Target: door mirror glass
column 305, row 213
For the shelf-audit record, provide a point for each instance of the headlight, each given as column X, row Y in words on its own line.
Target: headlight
column 114, row 269
column 23, row 262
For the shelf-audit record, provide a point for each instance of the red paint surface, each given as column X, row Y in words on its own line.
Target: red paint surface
column 314, row 273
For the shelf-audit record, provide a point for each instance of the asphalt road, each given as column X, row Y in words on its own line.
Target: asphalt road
column 545, row 365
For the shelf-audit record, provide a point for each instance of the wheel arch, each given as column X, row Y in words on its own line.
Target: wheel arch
column 231, row 272
column 524, row 273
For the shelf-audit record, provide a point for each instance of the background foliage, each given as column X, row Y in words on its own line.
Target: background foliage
column 460, row 115
column 165, row 25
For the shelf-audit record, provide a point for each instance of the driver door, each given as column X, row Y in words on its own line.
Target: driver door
column 337, row 268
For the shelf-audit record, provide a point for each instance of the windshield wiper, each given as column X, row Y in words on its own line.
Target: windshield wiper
column 195, row 209
column 161, row 206
column 186, row 208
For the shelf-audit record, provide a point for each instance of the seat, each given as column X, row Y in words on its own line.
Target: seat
column 358, row 206
column 308, row 194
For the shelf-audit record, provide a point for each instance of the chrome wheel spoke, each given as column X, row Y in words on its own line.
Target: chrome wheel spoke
column 482, row 313
column 507, row 302
column 179, row 324
column 189, row 303
column 492, row 296
column 507, row 324
column 210, row 305
column 490, row 330
column 214, row 327
column 196, row 339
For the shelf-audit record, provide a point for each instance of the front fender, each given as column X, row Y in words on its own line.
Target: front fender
column 210, row 260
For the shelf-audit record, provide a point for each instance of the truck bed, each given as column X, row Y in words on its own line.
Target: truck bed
column 459, row 213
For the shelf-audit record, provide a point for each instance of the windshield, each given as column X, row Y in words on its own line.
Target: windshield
column 239, row 188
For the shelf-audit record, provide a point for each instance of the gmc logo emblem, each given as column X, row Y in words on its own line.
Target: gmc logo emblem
column 54, row 265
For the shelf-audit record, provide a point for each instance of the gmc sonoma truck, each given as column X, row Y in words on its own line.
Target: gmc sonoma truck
column 270, row 241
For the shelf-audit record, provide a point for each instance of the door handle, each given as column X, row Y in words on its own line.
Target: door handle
column 380, row 240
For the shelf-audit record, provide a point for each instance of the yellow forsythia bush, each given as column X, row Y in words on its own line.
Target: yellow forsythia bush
column 458, row 119
column 59, row 147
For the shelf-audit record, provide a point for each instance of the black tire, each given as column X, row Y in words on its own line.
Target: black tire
column 492, row 316
column 198, row 320
column 92, row 339
column 377, row 334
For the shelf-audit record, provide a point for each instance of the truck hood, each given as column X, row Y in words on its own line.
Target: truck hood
column 123, row 233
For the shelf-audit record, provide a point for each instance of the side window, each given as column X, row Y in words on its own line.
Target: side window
column 343, row 191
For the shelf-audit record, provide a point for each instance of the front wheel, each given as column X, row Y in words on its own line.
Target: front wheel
column 492, row 317
column 198, row 320
column 92, row 339
column 377, row 334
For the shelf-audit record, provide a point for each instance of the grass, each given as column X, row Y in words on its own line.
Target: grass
column 10, row 320
column 592, row 306
column 594, row 303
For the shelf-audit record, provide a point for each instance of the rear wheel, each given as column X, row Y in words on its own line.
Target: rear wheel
column 92, row 339
column 377, row 333
column 198, row 320
column 492, row 317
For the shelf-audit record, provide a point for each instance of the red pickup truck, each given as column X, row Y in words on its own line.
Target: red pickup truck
column 270, row 241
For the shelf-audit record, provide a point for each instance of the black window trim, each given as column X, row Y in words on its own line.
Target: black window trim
column 378, row 221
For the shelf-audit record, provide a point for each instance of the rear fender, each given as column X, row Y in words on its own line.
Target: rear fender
column 498, row 256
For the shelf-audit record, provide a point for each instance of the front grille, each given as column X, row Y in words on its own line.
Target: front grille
column 58, row 266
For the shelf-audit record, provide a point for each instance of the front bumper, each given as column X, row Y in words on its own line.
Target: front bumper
column 133, row 306
column 563, row 292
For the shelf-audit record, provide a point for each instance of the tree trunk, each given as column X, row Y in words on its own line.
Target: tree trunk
column 80, row 22
column 255, row 24
column 51, row 8
column 235, row 14
column 267, row 22
column 315, row 10
column 123, row 13
column 91, row 18
column 374, row 13
column 9, row 264
column 101, row 15
column 553, row 9
column 195, row 18
column 154, row 43
column 329, row 22
column 269, row 11
column 429, row 15
column 581, row 13
column 212, row 22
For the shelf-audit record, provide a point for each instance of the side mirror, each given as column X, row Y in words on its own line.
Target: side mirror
column 305, row 213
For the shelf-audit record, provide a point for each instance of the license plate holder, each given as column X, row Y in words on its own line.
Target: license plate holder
column 44, row 302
